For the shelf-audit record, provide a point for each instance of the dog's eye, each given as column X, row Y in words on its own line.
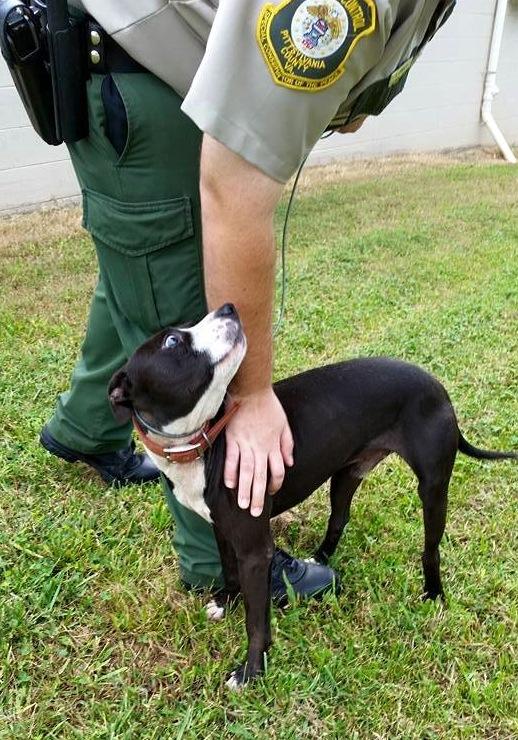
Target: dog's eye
column 170, row 341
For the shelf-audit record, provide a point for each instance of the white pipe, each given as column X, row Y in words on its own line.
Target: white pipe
column 490, row 87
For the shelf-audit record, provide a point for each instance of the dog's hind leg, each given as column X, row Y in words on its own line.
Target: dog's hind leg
column 229, row 594
column 343, row 486
column 431, row 455
column 434, row 498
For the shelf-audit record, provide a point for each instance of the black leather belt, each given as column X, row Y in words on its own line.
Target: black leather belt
column 104, row 54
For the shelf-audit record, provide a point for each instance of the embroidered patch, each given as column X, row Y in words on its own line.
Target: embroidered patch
column 306, row 44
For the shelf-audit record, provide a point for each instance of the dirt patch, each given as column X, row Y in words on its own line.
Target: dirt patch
column 381, row 167
column 40, row 227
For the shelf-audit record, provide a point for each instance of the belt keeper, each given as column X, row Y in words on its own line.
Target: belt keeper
column 95, row 47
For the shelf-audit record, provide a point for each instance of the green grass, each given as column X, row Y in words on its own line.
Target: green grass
column 97, row 639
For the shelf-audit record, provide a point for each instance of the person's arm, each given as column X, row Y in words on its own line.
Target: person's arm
column 257, row 132
column 238, row 203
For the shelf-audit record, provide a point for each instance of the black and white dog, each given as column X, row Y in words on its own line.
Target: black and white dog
column 345, row 418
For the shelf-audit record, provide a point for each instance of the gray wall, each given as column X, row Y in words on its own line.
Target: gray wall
column 440, row 106
column 30, row 171
column 439, row 109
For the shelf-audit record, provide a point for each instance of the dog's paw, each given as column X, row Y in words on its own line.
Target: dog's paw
column 319, row 557
column 215, row 611
column 242, row 675
column 235, row 681
column 434, row 595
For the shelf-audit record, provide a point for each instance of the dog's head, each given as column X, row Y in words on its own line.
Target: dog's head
column 177, row 379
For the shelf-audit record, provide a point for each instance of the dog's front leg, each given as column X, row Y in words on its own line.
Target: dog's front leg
column 247, row 541
column 254, row 575
column 255, row 579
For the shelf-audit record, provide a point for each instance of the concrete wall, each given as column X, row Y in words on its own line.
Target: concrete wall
column 439, row 109
column 30, row 171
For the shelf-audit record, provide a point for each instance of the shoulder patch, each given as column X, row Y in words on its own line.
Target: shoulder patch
column 306, row 43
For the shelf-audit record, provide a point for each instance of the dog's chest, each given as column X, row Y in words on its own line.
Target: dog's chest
column 188, row 483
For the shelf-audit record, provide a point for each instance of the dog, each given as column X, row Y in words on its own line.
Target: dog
column 345, row 418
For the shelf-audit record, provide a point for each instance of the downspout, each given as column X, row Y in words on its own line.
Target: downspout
column 490, row 88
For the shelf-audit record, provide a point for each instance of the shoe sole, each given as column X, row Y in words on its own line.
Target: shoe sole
column 55, row 448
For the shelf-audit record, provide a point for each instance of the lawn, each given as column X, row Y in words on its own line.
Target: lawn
column 97, row 638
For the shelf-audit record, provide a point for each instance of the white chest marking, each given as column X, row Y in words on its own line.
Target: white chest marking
column 188, row 480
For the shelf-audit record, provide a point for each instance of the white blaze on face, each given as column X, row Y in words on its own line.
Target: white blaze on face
column 221, row 340
column 214, row 336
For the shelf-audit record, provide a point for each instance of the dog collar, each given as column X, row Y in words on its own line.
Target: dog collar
column 194, row 449
column 147, row 427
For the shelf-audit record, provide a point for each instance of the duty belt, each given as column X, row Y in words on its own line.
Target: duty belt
column 50, row 55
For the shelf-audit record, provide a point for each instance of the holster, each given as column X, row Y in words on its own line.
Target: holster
column 44, row 50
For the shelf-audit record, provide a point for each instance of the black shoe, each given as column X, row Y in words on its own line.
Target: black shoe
column 118, row 468
column 307, row 578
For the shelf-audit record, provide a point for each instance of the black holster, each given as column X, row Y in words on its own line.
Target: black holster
column 44, row 50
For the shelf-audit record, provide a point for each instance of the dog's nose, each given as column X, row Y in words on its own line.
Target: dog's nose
column 227, row 310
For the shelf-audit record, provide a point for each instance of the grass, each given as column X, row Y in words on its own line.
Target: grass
column 97, row 639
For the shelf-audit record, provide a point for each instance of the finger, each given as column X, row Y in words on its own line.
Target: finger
column 231, row 464
column 287, row 445
column 246, row 475
column 276, row 464
column 259, row 485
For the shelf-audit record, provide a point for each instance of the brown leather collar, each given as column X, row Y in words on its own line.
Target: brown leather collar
column 195, row 447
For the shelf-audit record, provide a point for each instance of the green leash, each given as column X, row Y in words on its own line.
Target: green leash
column 284, row 241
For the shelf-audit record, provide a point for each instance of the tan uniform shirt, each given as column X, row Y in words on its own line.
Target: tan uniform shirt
column 266, row 79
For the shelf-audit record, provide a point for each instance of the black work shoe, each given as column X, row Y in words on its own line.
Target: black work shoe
column 307, row 578
column 118, row 468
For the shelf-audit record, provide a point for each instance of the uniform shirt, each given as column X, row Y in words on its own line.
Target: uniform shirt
column 266, row 79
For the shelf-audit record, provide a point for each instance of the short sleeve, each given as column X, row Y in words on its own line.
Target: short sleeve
column 274, row 75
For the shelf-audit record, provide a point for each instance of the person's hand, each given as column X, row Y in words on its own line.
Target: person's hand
column 353, row 126
column 259, row 440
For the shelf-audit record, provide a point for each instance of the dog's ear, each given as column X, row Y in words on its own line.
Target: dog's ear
column 119, row 393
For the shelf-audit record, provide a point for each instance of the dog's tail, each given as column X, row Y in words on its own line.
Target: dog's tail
column 468, row 449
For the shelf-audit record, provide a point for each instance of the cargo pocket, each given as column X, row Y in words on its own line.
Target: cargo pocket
column 149, row 257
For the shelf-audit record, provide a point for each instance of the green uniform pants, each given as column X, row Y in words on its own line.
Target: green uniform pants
column 142, row 208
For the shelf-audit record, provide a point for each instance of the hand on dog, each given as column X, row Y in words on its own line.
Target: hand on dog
column 259, row 441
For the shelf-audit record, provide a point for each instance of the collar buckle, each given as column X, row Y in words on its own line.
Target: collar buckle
column 170, row 452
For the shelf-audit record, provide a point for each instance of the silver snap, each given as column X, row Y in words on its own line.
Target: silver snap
column 95, row 56
column 95, row 38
